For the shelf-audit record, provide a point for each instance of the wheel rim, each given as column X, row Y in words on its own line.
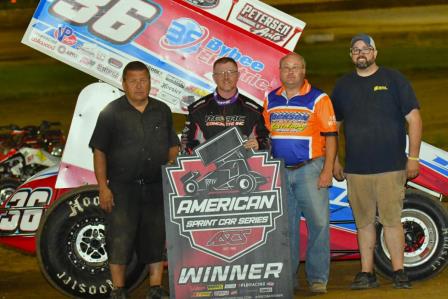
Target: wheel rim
column 87, row 245
column 421, row 237
column 190, row 188
column 5, row 193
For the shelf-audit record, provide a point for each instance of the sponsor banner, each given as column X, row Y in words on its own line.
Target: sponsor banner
column 177, row 40
column 257, row 17
column 226, row 223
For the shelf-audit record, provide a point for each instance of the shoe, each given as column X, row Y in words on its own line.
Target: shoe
column 318, row 287
column 364, row 280
column 401, row 280
column 118, row 293
column 157, row 292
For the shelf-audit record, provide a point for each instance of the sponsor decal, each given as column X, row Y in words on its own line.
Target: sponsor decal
column 85, row 287
column 175, row 81
column 204, row 4
column 201, row 294
column 107, row 71
column 23, row 211
column 379, row 87
column 169, row 88
column 184, row 35
column 65, row 35
column 264, row 24
column 221, row 293
column 168, row 97
column 87, row 61
column 115, row 63
column 67, row 52
column 42, row 42
column 266, row 290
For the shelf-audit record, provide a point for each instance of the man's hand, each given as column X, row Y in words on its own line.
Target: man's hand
column 338, row 171
column 412, row 169
column 251, row 143
column 106, row 199
column 325, row 179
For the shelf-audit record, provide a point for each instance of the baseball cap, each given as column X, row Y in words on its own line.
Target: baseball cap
column 365, row 38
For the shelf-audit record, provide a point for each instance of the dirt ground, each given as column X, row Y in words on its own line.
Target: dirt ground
column 20, row 277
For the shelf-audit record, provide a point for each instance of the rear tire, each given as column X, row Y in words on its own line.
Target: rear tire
column 425, row 222
column 7, row 188
column 71, row 249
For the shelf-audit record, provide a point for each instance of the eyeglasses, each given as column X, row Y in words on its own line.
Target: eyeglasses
column 357, row 51
column 223, row 73
column 294, row 69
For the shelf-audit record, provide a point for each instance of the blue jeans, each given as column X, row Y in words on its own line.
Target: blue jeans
column 304, row 198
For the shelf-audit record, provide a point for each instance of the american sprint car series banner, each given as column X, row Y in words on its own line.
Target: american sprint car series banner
column 226, row 221
column 178, row 40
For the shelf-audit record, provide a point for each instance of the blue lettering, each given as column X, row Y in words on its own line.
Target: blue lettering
column 216, row 45
column 257, row 66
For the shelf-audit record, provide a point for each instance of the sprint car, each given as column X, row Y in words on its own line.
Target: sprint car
column 65, row 229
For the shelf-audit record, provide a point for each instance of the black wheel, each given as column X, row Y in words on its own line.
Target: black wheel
column 71, row 247
column 191, row 187
column 7, row 188
column 246, row 183
column 425, row 223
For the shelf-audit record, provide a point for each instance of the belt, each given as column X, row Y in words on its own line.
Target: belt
column 299, row 165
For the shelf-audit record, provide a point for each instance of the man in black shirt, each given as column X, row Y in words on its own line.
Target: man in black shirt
column 374, row 104
column 223, row 109
column 132, row 139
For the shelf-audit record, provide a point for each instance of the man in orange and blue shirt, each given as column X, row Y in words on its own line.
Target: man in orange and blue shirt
column 303, row 131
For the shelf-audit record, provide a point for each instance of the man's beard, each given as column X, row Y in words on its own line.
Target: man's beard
column 364, row 63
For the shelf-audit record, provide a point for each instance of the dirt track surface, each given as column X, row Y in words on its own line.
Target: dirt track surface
column 20, row 277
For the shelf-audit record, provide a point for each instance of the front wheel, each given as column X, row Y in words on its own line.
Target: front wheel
column 425, row 224
column 71, row 247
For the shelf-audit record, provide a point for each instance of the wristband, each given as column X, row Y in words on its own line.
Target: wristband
column 413, row 158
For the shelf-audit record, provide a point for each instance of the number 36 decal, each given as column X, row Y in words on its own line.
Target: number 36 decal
column 117, row 21
column 24, row 211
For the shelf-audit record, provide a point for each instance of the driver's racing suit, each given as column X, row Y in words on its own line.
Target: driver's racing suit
column 208, row 118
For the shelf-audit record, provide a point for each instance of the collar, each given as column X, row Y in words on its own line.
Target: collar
column 304, row 89
column 222, row 101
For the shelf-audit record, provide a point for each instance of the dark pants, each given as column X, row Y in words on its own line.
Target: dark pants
column 136, row 223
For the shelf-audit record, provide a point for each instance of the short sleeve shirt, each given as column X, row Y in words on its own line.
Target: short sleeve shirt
column 373, row 111
column 136, row 144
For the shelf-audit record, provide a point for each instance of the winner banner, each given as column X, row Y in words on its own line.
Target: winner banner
column 226, row 223
column 177, row 40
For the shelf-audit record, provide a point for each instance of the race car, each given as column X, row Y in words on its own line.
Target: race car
column 65, row 228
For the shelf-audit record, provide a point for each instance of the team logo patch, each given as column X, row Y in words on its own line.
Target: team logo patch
column 224, row 198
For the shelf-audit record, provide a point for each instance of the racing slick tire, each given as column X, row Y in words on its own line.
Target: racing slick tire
column 246, row 183
column 7, row 188
column 191, row 187
column 70, row 247
column 425, row 224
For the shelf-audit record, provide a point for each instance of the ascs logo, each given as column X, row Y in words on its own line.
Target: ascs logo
column 184, row 35
column 65, row 35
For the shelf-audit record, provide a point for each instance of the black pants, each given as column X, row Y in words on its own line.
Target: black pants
column 136, row 223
